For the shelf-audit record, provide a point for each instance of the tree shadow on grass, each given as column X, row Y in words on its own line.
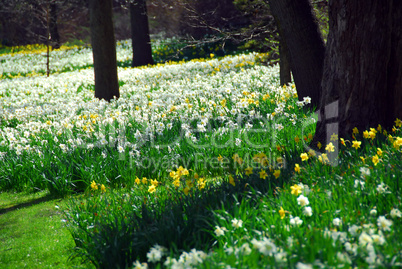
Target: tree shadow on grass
column 26, row 204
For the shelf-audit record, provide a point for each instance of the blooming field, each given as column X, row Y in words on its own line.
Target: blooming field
column 168, row 111
column 199, row 164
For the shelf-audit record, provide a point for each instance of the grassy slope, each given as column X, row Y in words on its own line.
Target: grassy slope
column 32, row 233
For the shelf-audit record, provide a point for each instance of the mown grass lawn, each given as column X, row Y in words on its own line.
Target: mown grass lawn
column 32, row 234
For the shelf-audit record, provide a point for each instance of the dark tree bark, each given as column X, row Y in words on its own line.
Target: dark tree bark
column 142, row 51
column 305, row 45
column 284, row 63
column 362, row 80
column 54, row 31
column 103, row 49
column 285, row 76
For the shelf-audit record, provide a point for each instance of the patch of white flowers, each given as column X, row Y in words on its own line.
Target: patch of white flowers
column 151, row 99
column 187, row 260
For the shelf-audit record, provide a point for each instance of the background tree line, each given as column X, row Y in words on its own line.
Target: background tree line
column 24, row 22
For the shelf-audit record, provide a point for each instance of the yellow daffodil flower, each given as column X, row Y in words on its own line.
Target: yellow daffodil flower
column 295, row 189
column 323, row 158
column 379, row 152
column 297, row 168
column 176, row 183
column 356, row 144
column 330, row 147
column 201, row 183
column 152, row 189
column 249, row 171
column 282, row 213
column 103, row 188
column 366, row 134
column 397, row 143
column 375, row 160
column 144, row 180
column 137, row 181
column 94, row 186
column 263, row 174
column 304, row 157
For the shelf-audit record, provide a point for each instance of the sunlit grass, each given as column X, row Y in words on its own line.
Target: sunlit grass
column 32, row 233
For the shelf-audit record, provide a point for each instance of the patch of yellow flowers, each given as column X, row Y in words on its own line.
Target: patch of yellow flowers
column 188, row 183
column 367, row 134
column 95, row 186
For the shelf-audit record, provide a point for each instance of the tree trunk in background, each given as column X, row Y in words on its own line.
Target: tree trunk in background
column 362, row 79
column 54, row 32
column 142, row 51
column 103, row 49
column 305, row 45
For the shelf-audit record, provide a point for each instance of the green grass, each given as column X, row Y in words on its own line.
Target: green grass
column 32, row 234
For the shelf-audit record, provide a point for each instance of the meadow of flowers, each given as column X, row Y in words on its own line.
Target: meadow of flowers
column 199, row 164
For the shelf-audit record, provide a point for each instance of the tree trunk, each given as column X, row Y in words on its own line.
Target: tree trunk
column 103, row 49
column 284, row 63
column 394, row 76
column 305, row 45
column 362, row 79
column 54, row 31
column 142, row 51
column 285, row 76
